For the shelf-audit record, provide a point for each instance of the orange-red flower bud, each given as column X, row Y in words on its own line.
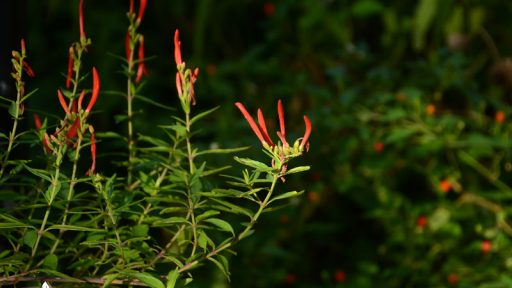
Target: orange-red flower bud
column 142, row 8
column 28, row 69
column 62, row 102
column 280, row 113
column 177, row 48
column 95, row 89
column 178, row 84
column 251, row 122
column 45, row 141
column 306, row 133
column 70, row 67
column 81, row 19
column 141, row 70
column 131, row 8
column 90, row 172
column 263, row 127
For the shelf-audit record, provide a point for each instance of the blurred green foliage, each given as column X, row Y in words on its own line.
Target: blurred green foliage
column 365, row 72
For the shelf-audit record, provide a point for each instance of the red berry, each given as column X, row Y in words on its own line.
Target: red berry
column 378, row 147
column 340, row 276
column 445, row 186
column 421, row 221
column 290, row 278
column 453, row 279
column 431, row 109
column 499, row 117
column 269, row 8
column 486, row 246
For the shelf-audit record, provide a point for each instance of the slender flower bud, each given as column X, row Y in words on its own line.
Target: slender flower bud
column 45, row 141
column 307, row 133
column 178, row 84
column 142, row 70
column 23, row 50
column 70, row 67
column 95, row 89
column 80, row 99
column 283, row 139
column 131, row 8
column 62, row 102
column 263, row 127
column 142, row 8
column 90, row 172
column 280, row 113
column 251, row 122
column 81, row 19
column 28, row 69
column 73, row 129
column 127, row 49
column 177, row 48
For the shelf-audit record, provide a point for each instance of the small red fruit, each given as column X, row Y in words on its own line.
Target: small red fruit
column 422, row 221
column 499, row 117
column 269, row 8
column 313, row 197
column 290, row 278
column 431, row 109
column 340, row 276
column 453, row 279
column 445, row 186
column 378, row 147
column 486, row 246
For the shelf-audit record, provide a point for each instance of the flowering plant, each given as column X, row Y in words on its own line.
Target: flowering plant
column 155, row 220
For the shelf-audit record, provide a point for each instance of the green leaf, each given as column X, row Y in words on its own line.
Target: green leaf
column 171, row 278
column 231, row 208
column 222, row 151
column 170, row 221
column 154, row 141
column 286, row 195
column 154, row 103
column 140, row 230
column 2, row 135
column 13, row 109
column 145, row 278
column 29, row 238
column 43, row 174
column 73, row 228
column 222, row 264
column 223, row 225
column 297, row 170
column 107, row 135
column 202, row 114
column 29, row 94
column 206, row 214
column 120, row 118
column 51, row 261
column 254, row 164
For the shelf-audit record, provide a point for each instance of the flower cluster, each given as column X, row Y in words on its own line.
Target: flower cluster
column 185, row 78
column 281, row 152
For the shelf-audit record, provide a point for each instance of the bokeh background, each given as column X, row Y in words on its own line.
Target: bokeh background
column 410, row 101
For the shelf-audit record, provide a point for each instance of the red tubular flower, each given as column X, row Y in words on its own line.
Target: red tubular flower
column 263, row 127
column 306, row 134
column 142, row 70
column 131, row 8
column 46, row 145
column 95, row 90
column 178, row 84
column 127, row 48
column 251, row 122
column 73, row 129
column 177, row 48
column 70, row 67
column 80, row 99
column 62, row 102
column 142, row 8
column 28, row 69
column 81, row 19
column 90, row 172
column 280, row 113
column 23, row 46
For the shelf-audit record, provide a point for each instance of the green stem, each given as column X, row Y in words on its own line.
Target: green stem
column 129, row 99
column 471, row 161
column 55, row 182
column 242, row 235
column 12, row 134
column 189, row 188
